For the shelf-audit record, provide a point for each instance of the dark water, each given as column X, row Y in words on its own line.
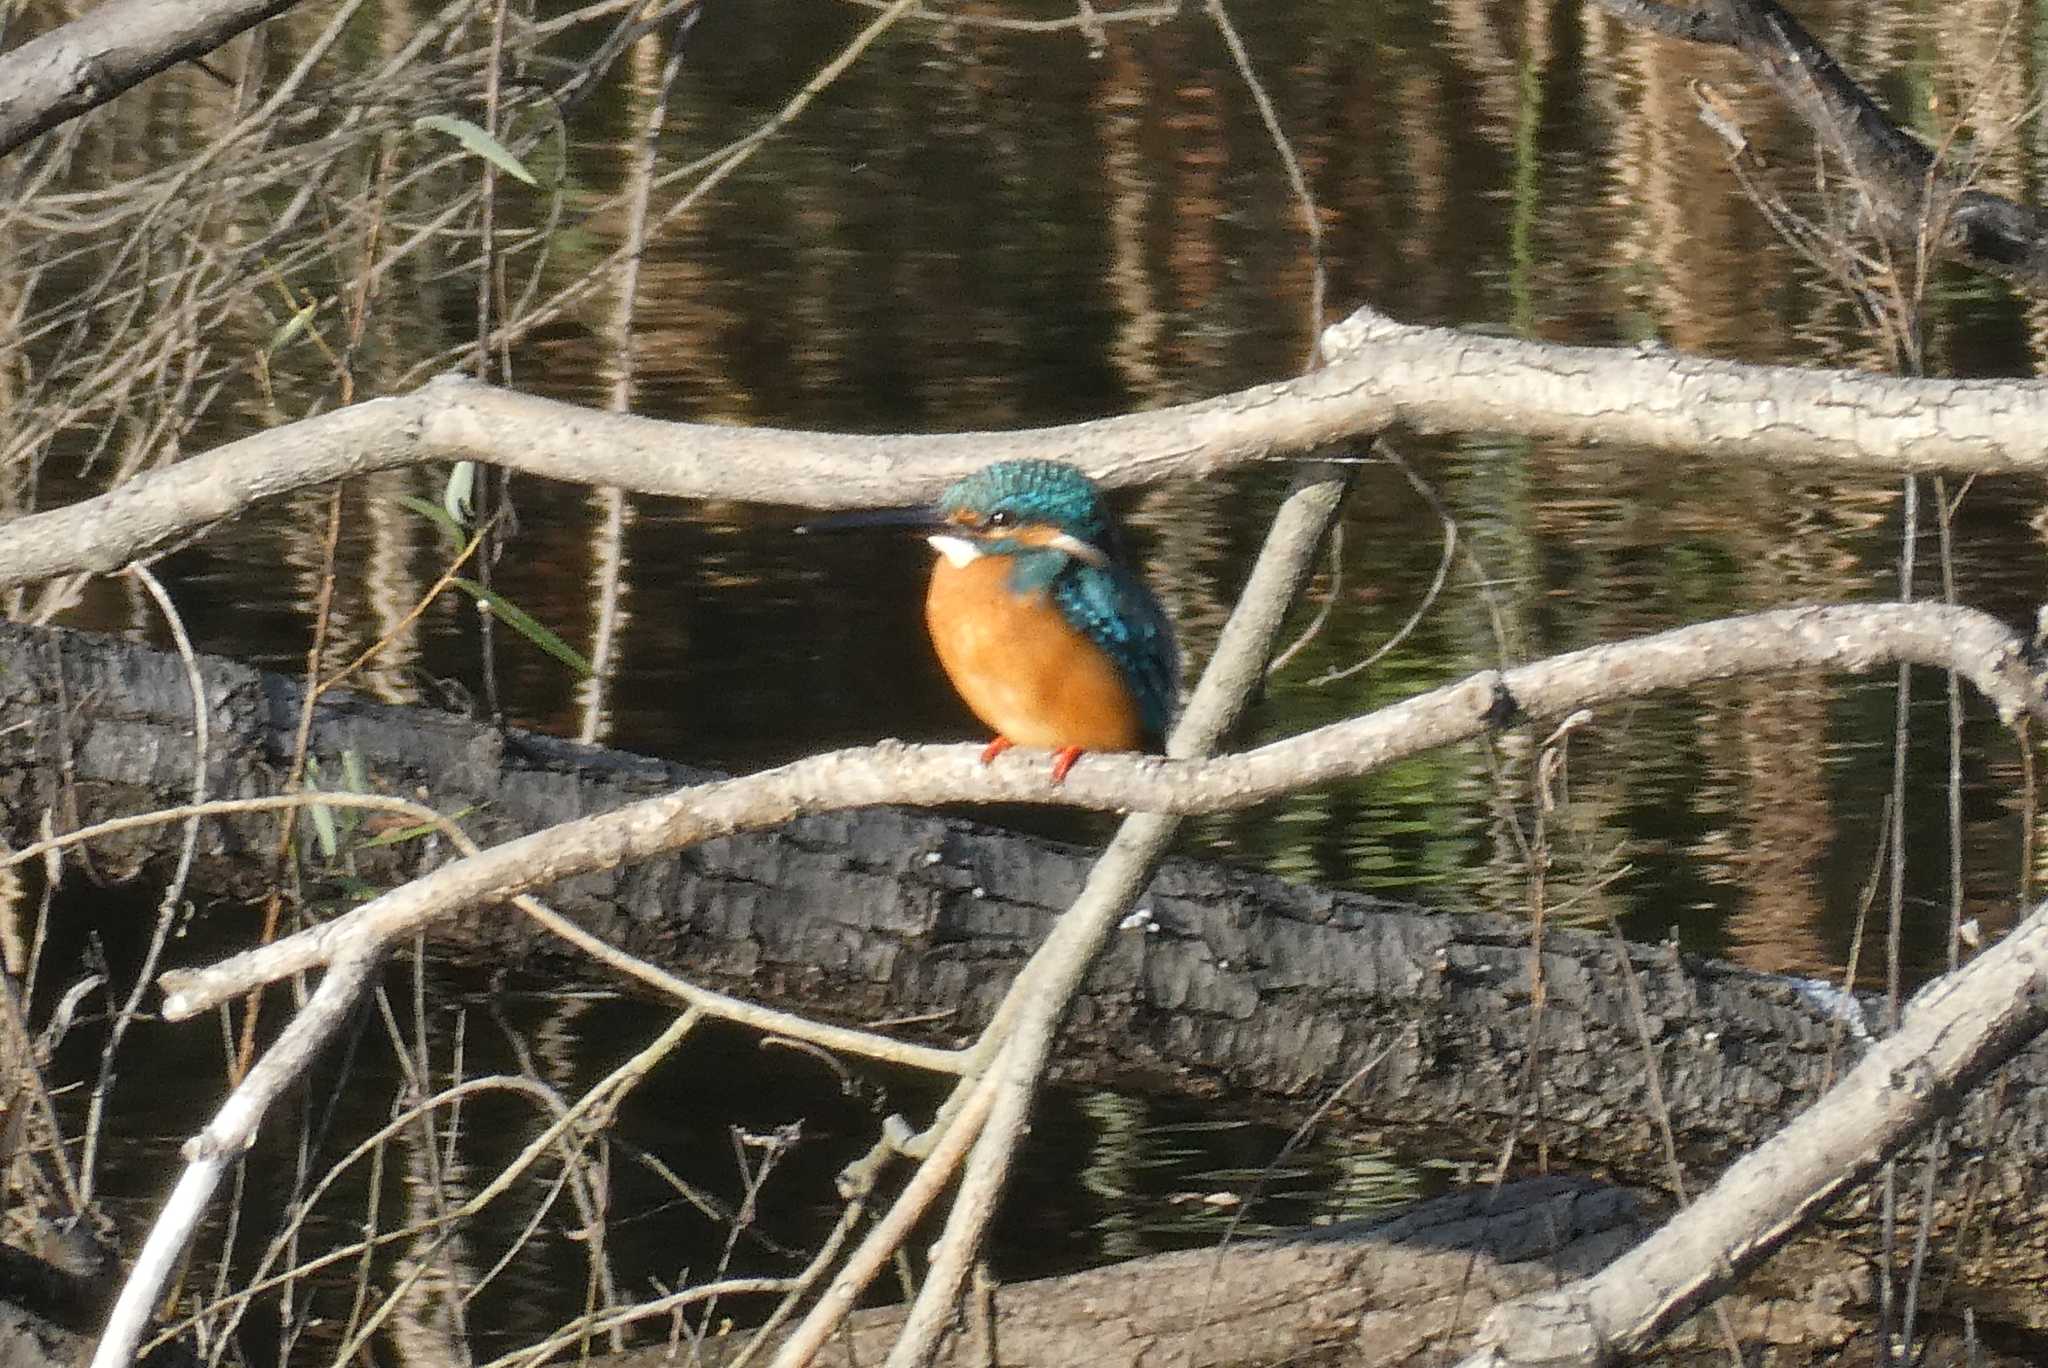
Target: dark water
column 984, row 230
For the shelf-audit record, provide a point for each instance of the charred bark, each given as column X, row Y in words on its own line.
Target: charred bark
column 51, row 1309
column 1241, row 981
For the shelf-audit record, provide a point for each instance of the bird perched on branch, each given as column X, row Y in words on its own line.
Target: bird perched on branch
column 1041, row 624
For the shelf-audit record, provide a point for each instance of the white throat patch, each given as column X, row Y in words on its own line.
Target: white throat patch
column 958, row 551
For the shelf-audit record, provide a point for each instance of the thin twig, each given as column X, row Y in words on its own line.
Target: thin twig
column 933, row 1174
column 231, row 1131
column 174, row 892
column 1436, row 583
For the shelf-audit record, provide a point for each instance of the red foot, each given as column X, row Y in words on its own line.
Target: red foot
column 995, row 748
column 1062, row 761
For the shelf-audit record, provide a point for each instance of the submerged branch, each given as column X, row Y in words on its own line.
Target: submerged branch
column 114, row 46
column 1955, row 1031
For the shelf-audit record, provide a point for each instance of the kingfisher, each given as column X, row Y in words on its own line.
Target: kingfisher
column 1039, row 621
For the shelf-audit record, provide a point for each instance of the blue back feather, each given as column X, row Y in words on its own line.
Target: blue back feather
column 1118, row 613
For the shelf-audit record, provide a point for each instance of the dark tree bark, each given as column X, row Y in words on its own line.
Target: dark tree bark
column 51, row 1309
column 1250, row 983
column 61, row 74
column 1903, row 181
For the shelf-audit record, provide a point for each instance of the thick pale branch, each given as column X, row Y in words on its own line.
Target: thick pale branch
column 721, row 1005
column 1384, row 374
column 1842, row 638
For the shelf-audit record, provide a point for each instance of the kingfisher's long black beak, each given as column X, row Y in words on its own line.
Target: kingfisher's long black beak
column 923, row 517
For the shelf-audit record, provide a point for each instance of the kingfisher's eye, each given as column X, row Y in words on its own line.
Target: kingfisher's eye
column 1002, row 517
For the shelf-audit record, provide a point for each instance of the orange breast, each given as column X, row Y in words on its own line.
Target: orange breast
column 1022, row 667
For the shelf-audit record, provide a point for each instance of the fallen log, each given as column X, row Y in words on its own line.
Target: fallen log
column 1239, row 981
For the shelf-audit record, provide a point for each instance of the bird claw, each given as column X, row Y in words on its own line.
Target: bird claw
column 1062, row 759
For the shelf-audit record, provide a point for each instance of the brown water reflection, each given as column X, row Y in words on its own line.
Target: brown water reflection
column 977, row 229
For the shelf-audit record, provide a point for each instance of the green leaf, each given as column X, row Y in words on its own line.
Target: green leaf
column 414, row 832
column 324, row 830
column 458, row 496
column 436, row 515
column 520, row 621
column 292, row 327
column 477, row 141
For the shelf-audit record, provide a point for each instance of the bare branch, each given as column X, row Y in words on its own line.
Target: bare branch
column 1693, row 25
column 1858, row 638
column 1904, row 180
column 1386, row 374
column 61, row 74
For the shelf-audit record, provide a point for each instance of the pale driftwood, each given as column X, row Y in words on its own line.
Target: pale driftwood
column 1383, row 374
column 1402, row 1290
column 116, row 44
